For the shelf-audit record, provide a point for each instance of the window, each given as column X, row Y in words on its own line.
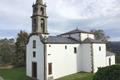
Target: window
column 35, row 9
column 109, row 61
column 42, row 11
column 34, row 24
column 34, row 44
column 99, row 48
column 65, row 47
column 42, row 24
column 75, row 50
column 34, row 21
column 49, row 68
column 34, row 54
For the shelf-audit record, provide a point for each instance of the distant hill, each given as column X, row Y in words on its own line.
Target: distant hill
column 114, row 47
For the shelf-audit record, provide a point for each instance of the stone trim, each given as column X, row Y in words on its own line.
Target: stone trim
column 92, row 59
column 34, row 34
column 45, row 62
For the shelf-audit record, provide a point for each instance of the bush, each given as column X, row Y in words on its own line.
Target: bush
column 108, row 73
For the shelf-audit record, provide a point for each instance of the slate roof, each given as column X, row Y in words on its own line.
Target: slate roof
column 89, row 40
column 65, row 40
column 108, row 53
column 76, row 31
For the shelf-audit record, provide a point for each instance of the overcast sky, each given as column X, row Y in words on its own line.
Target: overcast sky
column 64, row 15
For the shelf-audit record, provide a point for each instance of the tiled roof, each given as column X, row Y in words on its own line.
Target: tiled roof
column 108, row 53
column 76, row 31
column 89, row 40
column 65, row 40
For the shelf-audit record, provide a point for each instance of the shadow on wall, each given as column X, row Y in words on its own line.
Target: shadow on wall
column 79, row 58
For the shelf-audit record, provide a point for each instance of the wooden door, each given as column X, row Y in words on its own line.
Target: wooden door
column 34, row 70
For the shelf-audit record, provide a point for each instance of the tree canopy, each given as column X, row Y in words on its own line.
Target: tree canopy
column 19, row 56
column 100, row 35
column 7, row 49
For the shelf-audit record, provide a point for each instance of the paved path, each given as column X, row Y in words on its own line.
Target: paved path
column 1, row 78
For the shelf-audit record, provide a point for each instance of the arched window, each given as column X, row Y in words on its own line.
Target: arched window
column 42, row 11
column 34, row 25
column 35, row 9
column 43, row 24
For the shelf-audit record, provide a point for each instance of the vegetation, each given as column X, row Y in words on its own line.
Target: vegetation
column 7, row 49
column 19, row 56
column 78, row 76
column 13, row 74
column 100, row 35
column 108, row 73
column 20, row 74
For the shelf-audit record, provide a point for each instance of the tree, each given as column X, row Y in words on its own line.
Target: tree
column 7, row 49
column 19, row 56
column 100, row 35
column 108, row 73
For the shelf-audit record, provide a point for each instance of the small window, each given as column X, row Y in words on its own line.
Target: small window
column 75, row 50
column 109, row 61
column 34, row 44
column 49, row 45
column 34, row 54
column 49, row 68
column 65, row 47
column 99, row 48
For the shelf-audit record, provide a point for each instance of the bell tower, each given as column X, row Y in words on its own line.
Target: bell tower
column 39, row 18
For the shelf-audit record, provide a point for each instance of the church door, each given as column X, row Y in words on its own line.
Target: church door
column 34, row 70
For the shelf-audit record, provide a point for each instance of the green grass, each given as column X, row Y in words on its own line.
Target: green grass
column 78, row 76
column 13, row 74
column 20, row 74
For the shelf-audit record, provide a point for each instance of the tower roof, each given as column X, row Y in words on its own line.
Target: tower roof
column 39, row 1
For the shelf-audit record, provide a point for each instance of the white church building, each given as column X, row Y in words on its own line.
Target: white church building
column 52, row 57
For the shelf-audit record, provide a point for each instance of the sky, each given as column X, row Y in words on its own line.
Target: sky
column 64, row 15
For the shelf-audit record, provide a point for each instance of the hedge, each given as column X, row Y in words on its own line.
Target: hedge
column 108, row 73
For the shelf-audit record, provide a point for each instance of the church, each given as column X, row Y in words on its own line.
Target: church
column 52, row 57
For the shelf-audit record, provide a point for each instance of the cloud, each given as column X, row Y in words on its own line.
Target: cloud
column 82, row 9
column 64, row 15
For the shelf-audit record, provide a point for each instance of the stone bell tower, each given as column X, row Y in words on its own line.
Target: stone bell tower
column 39, row 18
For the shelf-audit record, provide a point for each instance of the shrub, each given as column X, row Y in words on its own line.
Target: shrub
column 108, row 73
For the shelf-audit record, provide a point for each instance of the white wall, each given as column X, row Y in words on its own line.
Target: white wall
column 86, row 58
column 76, row 36
column 99, row 57
column 112, row 57
column 64, row 61
column 86, row 35
column 39, row 57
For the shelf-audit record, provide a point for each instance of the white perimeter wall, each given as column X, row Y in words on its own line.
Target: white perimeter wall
column 112, row 60
column 39, row 57
column 99, row 57
column 64, row 61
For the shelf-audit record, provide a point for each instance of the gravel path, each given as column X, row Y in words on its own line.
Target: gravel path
column 1, row 78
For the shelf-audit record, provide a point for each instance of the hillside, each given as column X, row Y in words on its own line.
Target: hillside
column 114, row 47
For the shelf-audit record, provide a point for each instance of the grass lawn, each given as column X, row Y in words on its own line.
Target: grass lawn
column 19, row 74
column 13, row 74
column 78, row 76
